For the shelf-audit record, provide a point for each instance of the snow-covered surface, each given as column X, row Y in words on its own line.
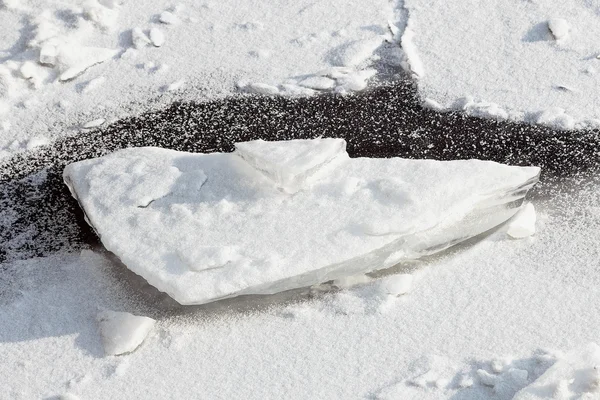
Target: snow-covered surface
column 526, row 60
column 66, row 63
column 574, row 376
column 495, row 320
column 202, row 227
column 122, row 332
column 477, row 321
column 54, row 55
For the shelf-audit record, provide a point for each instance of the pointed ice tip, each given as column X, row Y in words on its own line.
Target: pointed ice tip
column 291, row 164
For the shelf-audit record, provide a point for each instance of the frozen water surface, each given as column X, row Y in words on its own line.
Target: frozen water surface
column 203, row 227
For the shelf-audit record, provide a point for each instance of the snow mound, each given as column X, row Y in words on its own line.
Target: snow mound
column 123, row 332
column 202, row 227
column 574, row 376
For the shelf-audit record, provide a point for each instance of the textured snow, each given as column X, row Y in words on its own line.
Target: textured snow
column 574, row 376
column 495, row 305
column 49, row 49
column 515, row 56
column 123, row 332
column 201, row 227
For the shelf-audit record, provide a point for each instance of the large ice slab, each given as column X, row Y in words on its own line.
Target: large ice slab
column 202, row 227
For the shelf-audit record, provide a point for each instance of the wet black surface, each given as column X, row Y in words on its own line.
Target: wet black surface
column 38, row 215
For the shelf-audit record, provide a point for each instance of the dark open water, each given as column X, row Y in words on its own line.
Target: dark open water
column 38, row 216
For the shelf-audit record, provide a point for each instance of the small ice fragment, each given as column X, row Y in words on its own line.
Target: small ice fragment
column 397, row 285
column 48, row 54
column 81, row 59
column 559, row 27
column 167, row 17
column 175, row 85
column 355, row 81
column 352, row 280
column 27, row 70
column 432, row 104
column 123, row 332
column 259, row 88
column 157, row 37
column 295, row 90
column 139, row 38
column 523, row 223
column 317, row 82
column 37, row 142
column 556, row 116
column 93, row 124
column 465, row 381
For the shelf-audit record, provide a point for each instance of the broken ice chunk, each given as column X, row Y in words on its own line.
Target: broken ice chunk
column 290, row 164
column 175, row 85
column 523, row 223
column 139, row 38
column 317, row 82
column 78, row 60
column 94, row 123
column 123, row 332
column 397, row 285
column 559, row 28
column 203, row 227
column 574, row 376
column 167, row 17
column 157, row 37
column 258, row 88
column 48, row 54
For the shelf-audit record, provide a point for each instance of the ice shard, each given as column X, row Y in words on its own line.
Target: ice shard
column 274, row 216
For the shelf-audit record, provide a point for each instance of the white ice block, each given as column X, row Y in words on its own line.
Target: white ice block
column 203, row 227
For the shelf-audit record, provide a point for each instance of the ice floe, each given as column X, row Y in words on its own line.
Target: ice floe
column 274, row 216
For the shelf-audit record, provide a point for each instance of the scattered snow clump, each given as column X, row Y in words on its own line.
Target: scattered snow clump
column 559, row 27
column 157, row 37
column 123, row 332
column 138, row 38
column 397, row 285
column 167, row 17
column 574, row 376
column 523, row 223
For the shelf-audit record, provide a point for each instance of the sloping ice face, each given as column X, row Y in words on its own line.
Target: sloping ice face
column 275, row 216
